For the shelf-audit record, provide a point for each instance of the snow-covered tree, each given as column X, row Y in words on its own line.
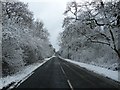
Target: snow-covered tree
column 102, row 18
column 24, row 40
column 89, row 30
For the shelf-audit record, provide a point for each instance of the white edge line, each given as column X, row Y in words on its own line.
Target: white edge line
column 25, row 78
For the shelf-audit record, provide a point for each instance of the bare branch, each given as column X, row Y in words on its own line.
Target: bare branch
column 113, row 38
column 93, row 41
column 101, row 42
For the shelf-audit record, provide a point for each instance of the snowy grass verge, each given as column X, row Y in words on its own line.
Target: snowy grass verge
column 99, row 70
column 21, row 75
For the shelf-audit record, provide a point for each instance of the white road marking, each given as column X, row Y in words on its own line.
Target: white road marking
column 87, row 80
column 63, row 71
column 11, row 87
column 70, row 84
column 25, row 79
column 68, row 81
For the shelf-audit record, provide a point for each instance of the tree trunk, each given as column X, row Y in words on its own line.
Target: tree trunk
column 118, row 53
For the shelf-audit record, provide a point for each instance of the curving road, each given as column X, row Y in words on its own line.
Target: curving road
column 58, row 73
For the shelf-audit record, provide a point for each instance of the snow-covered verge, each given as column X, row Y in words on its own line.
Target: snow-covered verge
column 99, row 70
column 21, row 75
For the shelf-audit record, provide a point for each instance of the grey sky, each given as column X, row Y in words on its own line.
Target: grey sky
column 51, row 13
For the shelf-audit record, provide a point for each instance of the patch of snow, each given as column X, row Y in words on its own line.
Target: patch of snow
column 50, row 57
column 99, row 70
column 21, row 75
column 1, row 83
column 53, row 56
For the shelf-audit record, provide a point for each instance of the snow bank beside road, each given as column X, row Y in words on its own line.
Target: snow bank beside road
column 21, row 75
column 102, row 71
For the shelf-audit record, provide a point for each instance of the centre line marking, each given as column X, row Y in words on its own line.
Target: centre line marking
column 63, row 71
column 68, row 81
column 70, row 84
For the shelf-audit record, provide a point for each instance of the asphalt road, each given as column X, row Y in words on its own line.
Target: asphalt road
column 57, row 73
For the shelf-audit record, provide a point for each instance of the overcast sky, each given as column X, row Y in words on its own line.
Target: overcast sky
column 51, row 13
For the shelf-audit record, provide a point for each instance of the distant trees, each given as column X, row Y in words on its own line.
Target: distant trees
column 24, row 40
column 88, row 24
column 40, row 30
